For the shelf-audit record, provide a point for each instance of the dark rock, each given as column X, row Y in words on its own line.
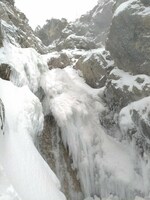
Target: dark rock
column 51, row 30
column 146, row 2
column 93, row 68
column 2, row 117
column 128, row 39
column 118, row 97
column 134, row 123
column 59, row 62
column 74, row 41
column 93, row 25
column 15, row 29
column 58, row 158
column 9, row 2
column 5, row 71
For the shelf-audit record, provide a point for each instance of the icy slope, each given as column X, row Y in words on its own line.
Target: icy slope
column 27, row 171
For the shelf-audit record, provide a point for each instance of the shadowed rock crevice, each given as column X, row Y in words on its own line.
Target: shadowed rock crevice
column 52, row 149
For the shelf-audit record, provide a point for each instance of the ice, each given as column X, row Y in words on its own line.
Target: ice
column 29, row 174
column 105, row 166
column 26, row 65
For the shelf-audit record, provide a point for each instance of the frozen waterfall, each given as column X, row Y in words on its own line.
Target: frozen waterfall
column 106, row 168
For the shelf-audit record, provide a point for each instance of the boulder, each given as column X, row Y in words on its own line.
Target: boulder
column 134, row 122
column 93, row 68
column 123, row 88
column 75, row 42
column 129, row 37
column 60, row 61
column 5, row 71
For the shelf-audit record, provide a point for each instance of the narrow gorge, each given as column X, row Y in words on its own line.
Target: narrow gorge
column 75, row 104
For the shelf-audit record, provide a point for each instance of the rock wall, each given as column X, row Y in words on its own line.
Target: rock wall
column 15, row 29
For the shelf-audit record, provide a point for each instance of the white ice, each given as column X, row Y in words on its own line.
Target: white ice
column 27, row 171
column 26, row 65
column 104, row 165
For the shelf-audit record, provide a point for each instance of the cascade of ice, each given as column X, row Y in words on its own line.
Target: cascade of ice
column 27, row 171
column 104, row 165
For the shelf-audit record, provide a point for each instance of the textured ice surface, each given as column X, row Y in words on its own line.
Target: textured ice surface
column 105, row 166
column 27, row 171
column 26, row 65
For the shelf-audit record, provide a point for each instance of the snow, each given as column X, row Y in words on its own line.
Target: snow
column 141, row 106
column 27, row 65
column 137, row 7
column 27, row 171
column 122, row 7
column 104, row 165
column 129, row 80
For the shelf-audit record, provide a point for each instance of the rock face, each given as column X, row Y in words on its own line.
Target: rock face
column 137, row 127
column 52, row 149
column 5, row 71
column 85, row 34
column 93, row 25
column 61, row 60
column 73, row 42
column 128, row 39
column 51, row 30
column 123, row 88
column 14, row 28
column 128, row 84
column 2, row 117
column 93, row 68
